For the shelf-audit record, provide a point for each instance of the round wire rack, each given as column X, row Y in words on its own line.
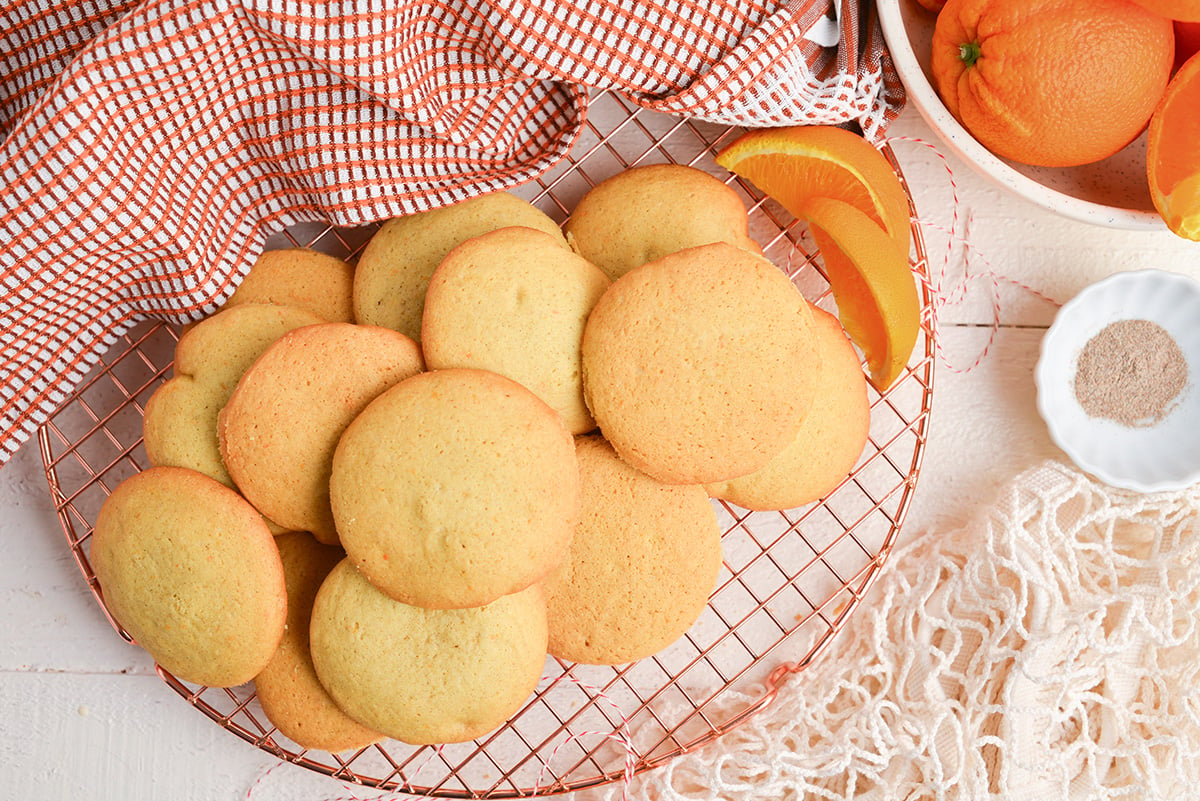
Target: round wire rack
column 789, row 582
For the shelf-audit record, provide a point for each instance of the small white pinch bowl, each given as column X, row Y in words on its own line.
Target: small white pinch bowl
column 1113, row 193
column 1154, row 458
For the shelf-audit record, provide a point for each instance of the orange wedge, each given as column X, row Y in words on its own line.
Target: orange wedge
column 796, row 163
column 1173, row 152
column 872, row 285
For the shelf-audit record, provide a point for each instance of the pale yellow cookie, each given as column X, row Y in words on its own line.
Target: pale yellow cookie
column 643, row 213
column 514, row 301
column 699, row 367
column 641, row 565
column 395, row 266
column 300, row 277
column 180, row 420
column 831, row 437
column 455, row 487
column 291, row 695
column 280, row 427
column 426, row 676
column 190, row 571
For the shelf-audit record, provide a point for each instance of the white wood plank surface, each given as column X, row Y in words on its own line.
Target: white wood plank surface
column 82, row 714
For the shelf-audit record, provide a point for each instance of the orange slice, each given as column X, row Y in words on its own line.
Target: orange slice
column 872, row 285
column 1173, row 152
column 796, row 163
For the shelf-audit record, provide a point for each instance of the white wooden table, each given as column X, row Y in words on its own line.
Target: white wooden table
column 83, row 715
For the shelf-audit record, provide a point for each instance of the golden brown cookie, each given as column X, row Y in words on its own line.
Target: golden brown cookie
column 831, row 438
column 514, row 301
column 699, row 367
column 395, row 266
column 300, row 277
column 640, row 568
column 190, row 571
column 643, row 213
column 280, row 427
column 455, row 487
column 425, row 676
column 291, row 695
column 180, row 420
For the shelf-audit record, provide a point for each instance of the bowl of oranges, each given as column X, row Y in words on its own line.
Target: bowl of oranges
column 1084, row 107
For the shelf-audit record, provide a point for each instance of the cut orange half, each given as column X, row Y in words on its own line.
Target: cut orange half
column 796, row 163
column 872, row 285
column 1173, row 152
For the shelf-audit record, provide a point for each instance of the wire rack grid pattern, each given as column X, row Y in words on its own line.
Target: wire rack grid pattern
column 789, row 582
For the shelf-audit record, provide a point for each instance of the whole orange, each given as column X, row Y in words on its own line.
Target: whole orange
column 1054, row 83
column 1174, row 9
column 1187, row 41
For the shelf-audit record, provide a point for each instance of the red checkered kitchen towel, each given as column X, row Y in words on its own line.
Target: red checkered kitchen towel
column 151, row 146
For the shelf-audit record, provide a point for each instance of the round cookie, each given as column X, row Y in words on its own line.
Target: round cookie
column 514, row 301
column 300, row 277
column 643, row 213
column 190, row 571
column 179, row 424
column 395, row 266
column 281, row 425
column 426, row 676
column 698, row 367
column 640, row 568
column 291, row 695
column 831, row 438
column 455, row 487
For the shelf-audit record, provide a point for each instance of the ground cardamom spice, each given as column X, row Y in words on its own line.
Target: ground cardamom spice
column 1131, row 372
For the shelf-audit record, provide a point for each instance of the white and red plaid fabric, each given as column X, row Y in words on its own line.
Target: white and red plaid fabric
column 149, row 147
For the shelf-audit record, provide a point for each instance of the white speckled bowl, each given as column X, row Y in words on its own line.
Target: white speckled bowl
column 1112, row 192
column 1164, row 456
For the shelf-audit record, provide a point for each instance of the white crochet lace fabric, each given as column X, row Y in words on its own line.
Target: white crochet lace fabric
column 1050, row 649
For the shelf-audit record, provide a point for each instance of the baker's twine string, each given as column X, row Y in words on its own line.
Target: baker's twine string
column 619, row 735
column 935, row 281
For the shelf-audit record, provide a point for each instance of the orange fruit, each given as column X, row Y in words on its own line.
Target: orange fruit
column 1187, row 41
column 1053, row 83
column 792, row 164
column 1174, row 9
column 872, row 285
column 1173, row 152
column 932, row 5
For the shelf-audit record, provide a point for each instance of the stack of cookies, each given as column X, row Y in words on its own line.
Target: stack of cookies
column 385, row 493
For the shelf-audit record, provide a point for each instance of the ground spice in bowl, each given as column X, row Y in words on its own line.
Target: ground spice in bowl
column 1131, row 372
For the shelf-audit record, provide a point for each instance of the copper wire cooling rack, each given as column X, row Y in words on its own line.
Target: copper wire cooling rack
column 789, row 582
